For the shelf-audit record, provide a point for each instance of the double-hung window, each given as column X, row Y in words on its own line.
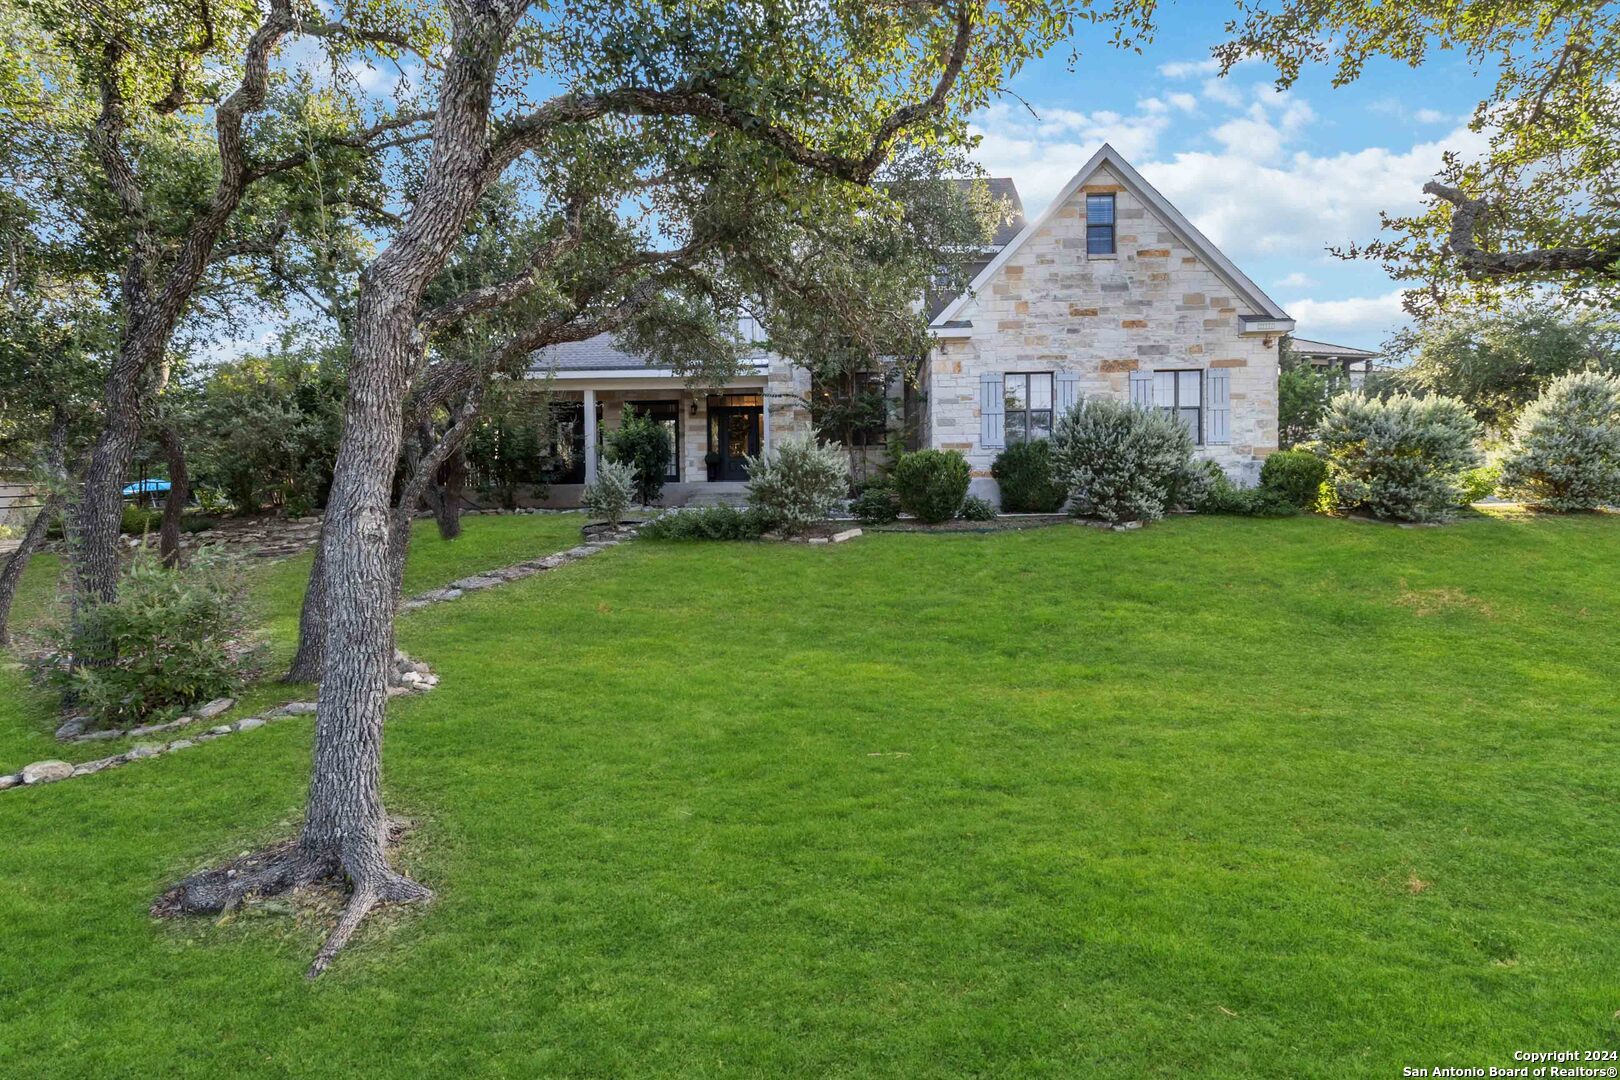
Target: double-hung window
column 1029, row 406
column 1181, row 394
column 1100, row 224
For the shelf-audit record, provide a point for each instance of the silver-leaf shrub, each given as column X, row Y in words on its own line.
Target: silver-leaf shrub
column 610, row 494
column 797, row 483
column 1565, row 453
column 1401, row 458
column 1121, row 462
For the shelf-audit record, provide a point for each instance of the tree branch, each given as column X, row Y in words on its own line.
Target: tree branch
column 513, row 288
column 1463, row 244
column 701, row 101
column 359, row 140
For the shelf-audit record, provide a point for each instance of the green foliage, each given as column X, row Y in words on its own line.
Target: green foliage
column 611, row 493
column 1401, row 458
column 137, row 521
column 876, row 503
column 976, row 509
column 1549, row 76
column 642, row 443
column 1498, row 362
column 1214, row 493
column 1024, row 473
column 708, row 523
column 797, row 483
column 1479, row 484
column 172, row 638
column 931, row 484
column 264, row 430
column 1565, row 453
column 1295, row 475
column 1303, row 394
column 1122, row 462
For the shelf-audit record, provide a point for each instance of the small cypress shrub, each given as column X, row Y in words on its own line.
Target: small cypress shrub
column 1295, row 475
column 932, row 484
column 1122, row 462
column 1024, row 473
column 1565, row 453
column 1401, row 458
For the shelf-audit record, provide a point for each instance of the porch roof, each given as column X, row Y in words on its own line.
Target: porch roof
column 599, row 357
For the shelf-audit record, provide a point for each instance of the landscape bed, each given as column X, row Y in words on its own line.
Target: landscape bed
column 1219, row 796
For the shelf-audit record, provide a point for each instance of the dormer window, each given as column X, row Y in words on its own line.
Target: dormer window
column 1100, row 224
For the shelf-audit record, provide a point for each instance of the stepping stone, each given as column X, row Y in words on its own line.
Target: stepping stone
column 215, row 707
column 847, row 534
column 46, row 772
column 88, row 767
column 248, row 724
column 143, row 750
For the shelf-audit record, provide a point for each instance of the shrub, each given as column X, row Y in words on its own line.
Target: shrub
column 1024, row 471
column 1294, row 475
column 137, row 521
column 1218, row 495
column 610, row 495
column 976, row 509
column 1121, row 461
column 708, row 523
column 171, row 639
column 1480, row 483
column 1401, row 457
column 875, row 504
column 642, row 443
column 1565, row 453
column 797, row 483
column 931, row 484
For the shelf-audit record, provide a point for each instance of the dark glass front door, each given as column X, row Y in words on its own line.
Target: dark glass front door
column 734, row 432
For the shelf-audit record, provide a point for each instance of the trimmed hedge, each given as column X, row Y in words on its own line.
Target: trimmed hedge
column 1028, row 486
column 932, row 484
column 1294, row 475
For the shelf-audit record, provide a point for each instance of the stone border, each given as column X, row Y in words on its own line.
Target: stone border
column 408, row 677
column 489, row 579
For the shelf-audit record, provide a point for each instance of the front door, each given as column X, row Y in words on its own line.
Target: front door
column 734, row 432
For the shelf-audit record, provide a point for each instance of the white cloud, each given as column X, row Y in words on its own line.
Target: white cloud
column 1222, row 91
column 1366, row 318
column 1042, row 152
column 1186, row 69
column 1430, row 116
column 1184, row 102
column 1297, row 280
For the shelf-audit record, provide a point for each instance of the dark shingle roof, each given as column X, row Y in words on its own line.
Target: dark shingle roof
column 1307, row 347
column 593, row 354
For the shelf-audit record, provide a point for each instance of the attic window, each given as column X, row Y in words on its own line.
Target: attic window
column 1100, row 224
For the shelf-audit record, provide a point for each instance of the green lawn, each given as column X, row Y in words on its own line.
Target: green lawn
column 27, row 721
column 1223, row 797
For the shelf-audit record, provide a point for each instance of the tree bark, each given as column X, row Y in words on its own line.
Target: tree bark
column 179, row 492
column 452, row 483
column 306, row 662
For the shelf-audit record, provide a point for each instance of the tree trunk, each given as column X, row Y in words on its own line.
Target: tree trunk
column 345, row 830
column 306, row 662
column 12, row 574
column 447, row 506
column 96, row 519
column 179, row 492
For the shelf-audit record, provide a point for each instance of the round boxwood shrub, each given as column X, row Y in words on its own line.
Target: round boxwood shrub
column 875, row 504
column 1121, row 461
column 1024, row 472
column 1566, row 446
column 976, row 509
column 931, row 484
column 1295, row 475
column 1402, row 458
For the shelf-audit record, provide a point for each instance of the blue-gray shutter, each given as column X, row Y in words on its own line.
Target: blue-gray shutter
column 1065, row 392
column 1217, row 407
column 1142, row 389
column 992, row 412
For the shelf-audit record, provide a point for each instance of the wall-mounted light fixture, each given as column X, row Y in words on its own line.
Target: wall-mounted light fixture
column 694, row 406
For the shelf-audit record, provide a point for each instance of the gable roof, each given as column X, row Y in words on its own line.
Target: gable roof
column 1307, row 347
column 1211, row 255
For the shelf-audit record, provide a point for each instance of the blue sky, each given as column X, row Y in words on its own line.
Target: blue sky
column 1273, row 179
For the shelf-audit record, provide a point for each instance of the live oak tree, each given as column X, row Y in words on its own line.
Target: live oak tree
column 772, row 89
column 1541, row 208
column 177, row 154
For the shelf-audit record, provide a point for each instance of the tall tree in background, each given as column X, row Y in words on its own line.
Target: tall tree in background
column 772, row 91
column 173, row 153
column 1542, row 207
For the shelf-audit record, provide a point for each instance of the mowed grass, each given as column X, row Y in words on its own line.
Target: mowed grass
column 28, row 718
column 1222, row 797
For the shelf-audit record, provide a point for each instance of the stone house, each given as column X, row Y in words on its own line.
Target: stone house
column 1110, row 291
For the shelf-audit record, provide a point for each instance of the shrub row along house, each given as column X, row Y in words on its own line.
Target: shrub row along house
column 1110, row 292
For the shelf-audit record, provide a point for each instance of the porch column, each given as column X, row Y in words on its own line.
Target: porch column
column 590, row 436
column 765, row 424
